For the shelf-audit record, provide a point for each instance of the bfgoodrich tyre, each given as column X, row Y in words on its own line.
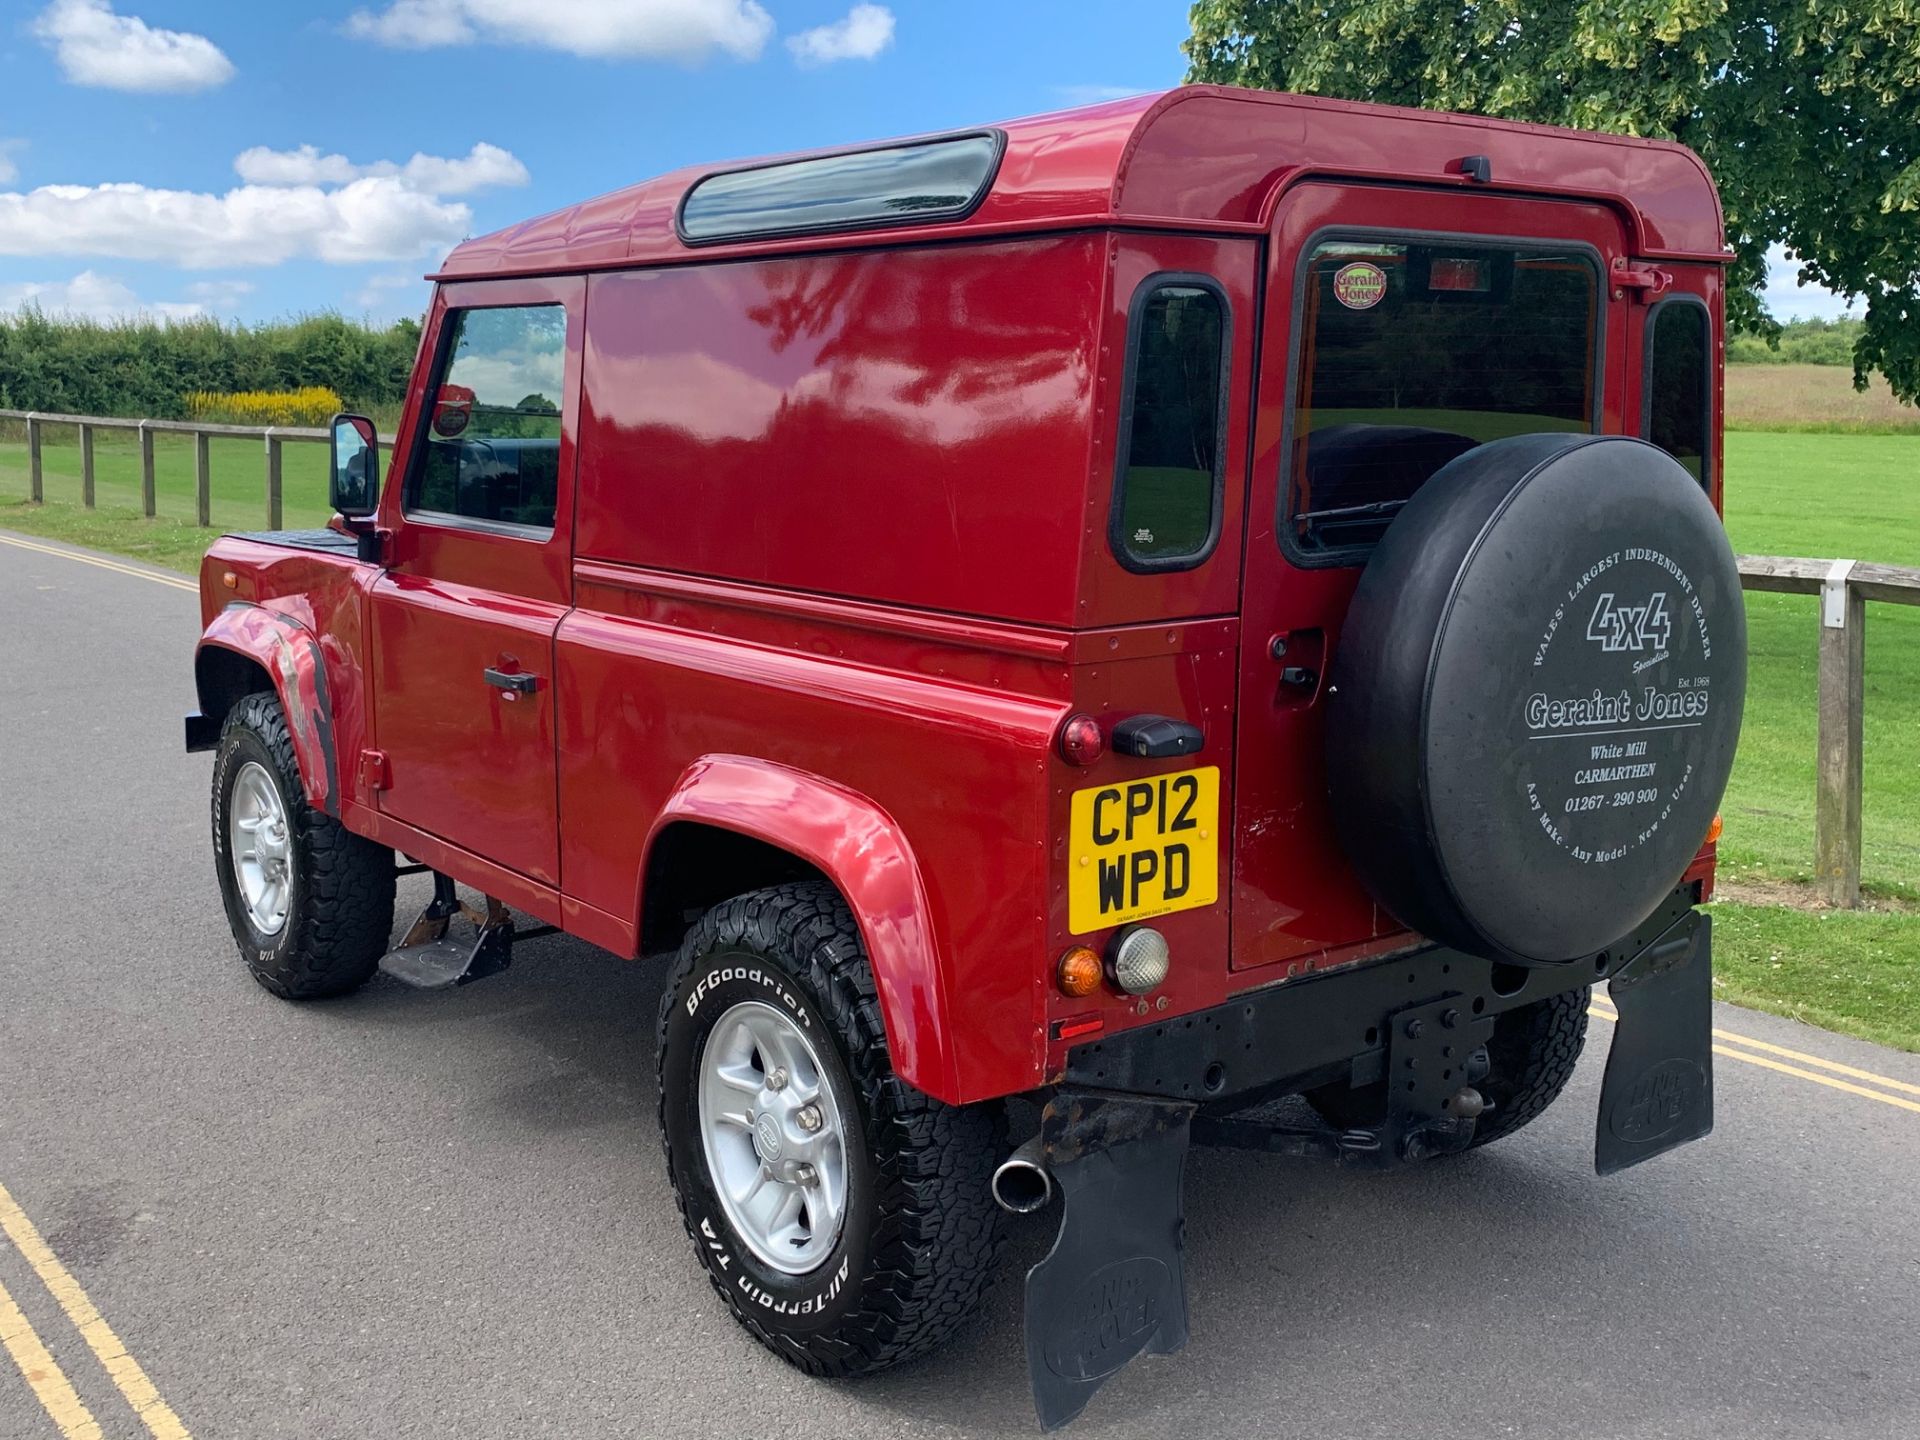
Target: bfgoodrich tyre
column 310, row 903
column 1532, row 1055
column 845, row 1217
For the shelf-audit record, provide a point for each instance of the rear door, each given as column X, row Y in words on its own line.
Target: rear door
column 480, row 573
column 1402, row 327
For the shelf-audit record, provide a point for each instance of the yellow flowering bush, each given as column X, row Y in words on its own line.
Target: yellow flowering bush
column 311, row 405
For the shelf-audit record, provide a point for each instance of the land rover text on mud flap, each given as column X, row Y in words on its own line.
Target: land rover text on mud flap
column 1153, row 609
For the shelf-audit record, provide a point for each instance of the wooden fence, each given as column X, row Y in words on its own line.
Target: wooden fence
column 273, row 437
column 1844, row 587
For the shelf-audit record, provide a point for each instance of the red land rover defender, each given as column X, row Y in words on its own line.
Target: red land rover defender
column 1151, row 609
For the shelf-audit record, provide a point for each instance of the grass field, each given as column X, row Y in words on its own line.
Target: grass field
column 237, row 476
column 1813, row 398
column 1858, row 497
column 1828, row 495
column 1851, row 496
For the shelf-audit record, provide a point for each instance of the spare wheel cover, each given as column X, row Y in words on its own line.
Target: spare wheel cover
column 1536, row 695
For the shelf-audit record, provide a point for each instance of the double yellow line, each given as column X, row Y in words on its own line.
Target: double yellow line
column 176, row 582
column 1744, row 1048
column 42, row 1372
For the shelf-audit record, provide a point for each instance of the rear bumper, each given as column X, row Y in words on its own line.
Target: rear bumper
column 1114, row 1134
column 1289, row 1037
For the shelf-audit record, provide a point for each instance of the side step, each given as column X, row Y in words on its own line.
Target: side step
column 429, row 958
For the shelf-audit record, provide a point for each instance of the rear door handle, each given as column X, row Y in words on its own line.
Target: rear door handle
column 514, row 682
column 1153, row 737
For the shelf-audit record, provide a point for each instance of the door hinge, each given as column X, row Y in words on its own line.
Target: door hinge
column 373, row 770
column 1647, row 284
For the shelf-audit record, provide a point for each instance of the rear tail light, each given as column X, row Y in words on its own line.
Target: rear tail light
column 1081, row 741
column 1079, row 972
column 1140, row 959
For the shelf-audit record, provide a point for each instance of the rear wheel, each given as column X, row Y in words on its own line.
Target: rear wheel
column 1529, row 1061
column 309, row 902
column 845, row 1217
column 1532, row 1054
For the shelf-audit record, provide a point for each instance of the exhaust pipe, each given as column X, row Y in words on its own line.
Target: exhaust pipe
column 1022, row 1184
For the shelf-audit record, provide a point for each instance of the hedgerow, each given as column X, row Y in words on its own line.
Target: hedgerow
column 149, row 367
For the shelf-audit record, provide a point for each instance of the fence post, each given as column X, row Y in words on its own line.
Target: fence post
column 273, row 479
column 36, row 487
column 1837, row 806
column 202, row 478
column 146, row 471
column 86, row 466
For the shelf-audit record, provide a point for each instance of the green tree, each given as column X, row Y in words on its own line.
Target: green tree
column 1807, row 112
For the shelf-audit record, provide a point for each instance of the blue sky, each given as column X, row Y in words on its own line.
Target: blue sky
column 257, row 159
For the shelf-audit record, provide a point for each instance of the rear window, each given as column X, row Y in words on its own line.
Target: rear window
column 1412, row 353
column 1167, row 497
column 1679, row 380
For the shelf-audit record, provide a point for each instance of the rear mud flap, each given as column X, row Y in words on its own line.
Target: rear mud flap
column 1658, row 1091
column 1113, row 1286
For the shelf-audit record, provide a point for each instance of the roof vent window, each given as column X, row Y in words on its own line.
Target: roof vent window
column 899, row 184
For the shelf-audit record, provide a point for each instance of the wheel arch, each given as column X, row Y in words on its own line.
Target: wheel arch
column 223, row 677
column 248, row 648
column 735, row 823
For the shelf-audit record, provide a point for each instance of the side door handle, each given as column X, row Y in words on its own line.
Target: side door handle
column 515, row 682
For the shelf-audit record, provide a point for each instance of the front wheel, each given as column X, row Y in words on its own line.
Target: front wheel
column 310, row 903
column 845, row 1217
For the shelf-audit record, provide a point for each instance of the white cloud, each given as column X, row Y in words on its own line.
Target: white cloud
column 1788, row 299
column 481, row 168
column 97, row 47
column 377, row 218
column 220, row 297
column 9, row 167
column 295, row 204
column 685, row 30
column 385, row 295
column 93, row 296
column 862, row 33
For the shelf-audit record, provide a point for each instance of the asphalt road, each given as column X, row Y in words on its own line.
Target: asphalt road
column 411, row 1214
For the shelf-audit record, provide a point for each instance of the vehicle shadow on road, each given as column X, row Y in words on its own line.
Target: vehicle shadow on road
column 1303, row 1280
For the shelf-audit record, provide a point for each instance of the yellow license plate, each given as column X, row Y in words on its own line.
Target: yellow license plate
column 1144, row 848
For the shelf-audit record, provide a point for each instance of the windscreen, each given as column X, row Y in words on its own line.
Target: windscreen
column 1413, row 353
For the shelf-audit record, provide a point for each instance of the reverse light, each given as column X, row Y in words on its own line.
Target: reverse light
column 1079, row 972
column 1081, row 741
column 1139, row 959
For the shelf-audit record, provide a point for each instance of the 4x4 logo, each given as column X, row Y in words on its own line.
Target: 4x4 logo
column 1631, row 627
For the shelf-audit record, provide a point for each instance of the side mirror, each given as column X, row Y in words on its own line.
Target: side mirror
column 353, row 484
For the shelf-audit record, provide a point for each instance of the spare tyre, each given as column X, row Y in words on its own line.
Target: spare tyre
column 1536, row 694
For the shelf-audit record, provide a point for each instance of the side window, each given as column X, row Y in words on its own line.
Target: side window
column 1412, row 352
column 1166, row 503
column 492, row 444
column 1679, row 383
